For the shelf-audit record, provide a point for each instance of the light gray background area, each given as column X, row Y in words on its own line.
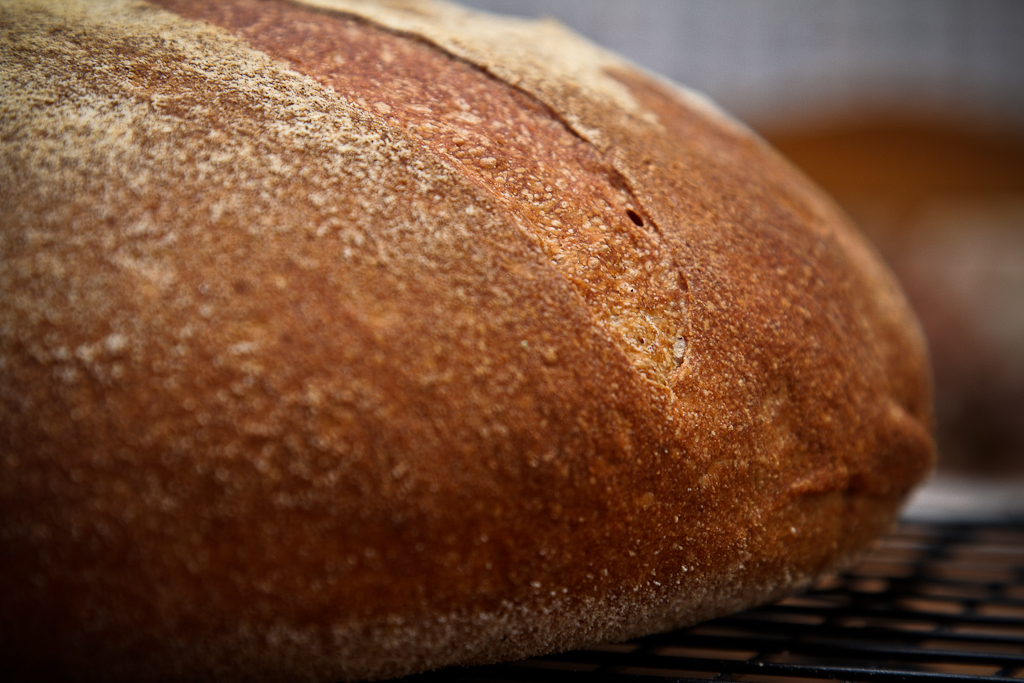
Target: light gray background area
column 775, row 62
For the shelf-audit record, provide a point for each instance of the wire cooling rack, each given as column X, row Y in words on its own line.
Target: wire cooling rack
column 932, row 602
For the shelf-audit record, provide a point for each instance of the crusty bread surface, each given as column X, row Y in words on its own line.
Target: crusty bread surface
column 345, row 340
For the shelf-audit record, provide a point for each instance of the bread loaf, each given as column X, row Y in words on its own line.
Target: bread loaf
column 345, row 340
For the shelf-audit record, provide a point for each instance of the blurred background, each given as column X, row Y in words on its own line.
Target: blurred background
column 911, row 113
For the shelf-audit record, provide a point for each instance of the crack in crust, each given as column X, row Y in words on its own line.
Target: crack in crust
column 559, row 187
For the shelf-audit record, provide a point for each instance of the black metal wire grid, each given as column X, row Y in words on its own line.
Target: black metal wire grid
column 931, row 602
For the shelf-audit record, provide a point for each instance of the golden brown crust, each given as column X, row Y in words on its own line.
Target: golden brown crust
column 356, row 340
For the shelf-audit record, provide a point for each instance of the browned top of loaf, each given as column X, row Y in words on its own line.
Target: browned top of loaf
column 482, row 344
